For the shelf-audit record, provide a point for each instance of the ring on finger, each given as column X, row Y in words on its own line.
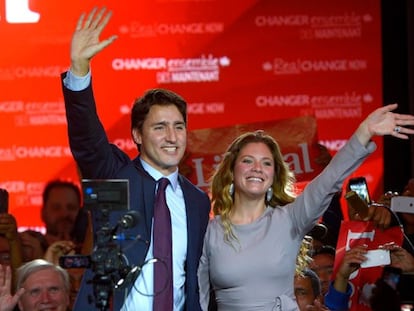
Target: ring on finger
column 397, row 129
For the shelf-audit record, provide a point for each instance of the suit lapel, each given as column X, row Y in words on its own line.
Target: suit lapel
column 147, row 189
column 193, row 217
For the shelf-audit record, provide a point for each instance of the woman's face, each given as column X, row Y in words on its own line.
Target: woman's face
column 254, row 170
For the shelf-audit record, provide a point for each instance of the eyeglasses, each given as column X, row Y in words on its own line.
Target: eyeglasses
column 52, row 291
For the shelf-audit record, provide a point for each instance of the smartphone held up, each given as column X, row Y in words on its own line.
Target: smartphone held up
column 360, row 186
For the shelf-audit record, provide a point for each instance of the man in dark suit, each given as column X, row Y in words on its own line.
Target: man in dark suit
column 158, row 126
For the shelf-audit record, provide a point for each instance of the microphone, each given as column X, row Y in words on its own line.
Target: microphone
column 129, row 220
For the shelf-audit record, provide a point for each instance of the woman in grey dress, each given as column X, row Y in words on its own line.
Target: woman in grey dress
column 251, row 245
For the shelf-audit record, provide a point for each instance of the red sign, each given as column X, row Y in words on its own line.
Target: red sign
column 240, row 64
column 353, row 233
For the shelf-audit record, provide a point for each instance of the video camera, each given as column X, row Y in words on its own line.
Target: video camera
column 107, row 262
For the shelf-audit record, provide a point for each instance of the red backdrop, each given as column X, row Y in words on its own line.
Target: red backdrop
column 237, row 62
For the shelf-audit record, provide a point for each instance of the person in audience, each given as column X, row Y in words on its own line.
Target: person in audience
column 377, row 213
column 11, row 244
column 259, row 223
column 307, row 286
column 383, row 217
column 322, row 264
column 41, row 285
column 385, row 298
column 58, row 249
column 53, row 255
column 61, row 205
column 339, row 290
column 338, row 296
column 159, row 130
column 403, row 260
column 46, row 286
column 34, row 245
column 400, row 257
column 308, row 291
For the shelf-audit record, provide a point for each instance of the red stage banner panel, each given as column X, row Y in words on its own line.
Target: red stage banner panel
column 306, row 71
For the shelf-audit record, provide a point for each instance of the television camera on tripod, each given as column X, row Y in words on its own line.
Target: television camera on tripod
column 107, row 200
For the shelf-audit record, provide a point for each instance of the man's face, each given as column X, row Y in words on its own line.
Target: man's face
column 323, row 265
column 44, row 290
column 303, row 292
column 60, row 211
column 163, row 139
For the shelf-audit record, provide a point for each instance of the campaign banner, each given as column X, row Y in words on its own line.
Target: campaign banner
column 238, row 63
column 296, row 137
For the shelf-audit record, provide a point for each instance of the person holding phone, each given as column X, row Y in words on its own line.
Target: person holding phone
column 360, row 186
column 383, row 217
column 363, row 208
column 339, row 291
column 401, row 258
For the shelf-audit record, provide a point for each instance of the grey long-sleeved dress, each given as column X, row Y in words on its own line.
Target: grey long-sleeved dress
column 258, row 272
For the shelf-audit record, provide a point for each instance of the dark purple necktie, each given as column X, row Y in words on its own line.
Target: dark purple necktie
column 162, row 248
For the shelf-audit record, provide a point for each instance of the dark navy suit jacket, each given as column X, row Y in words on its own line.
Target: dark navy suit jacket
column 98, row 159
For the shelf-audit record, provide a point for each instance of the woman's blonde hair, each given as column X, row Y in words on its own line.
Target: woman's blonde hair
column 222, row 178
column 304, row 256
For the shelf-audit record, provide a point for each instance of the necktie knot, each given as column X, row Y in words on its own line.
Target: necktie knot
column 162, row 184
